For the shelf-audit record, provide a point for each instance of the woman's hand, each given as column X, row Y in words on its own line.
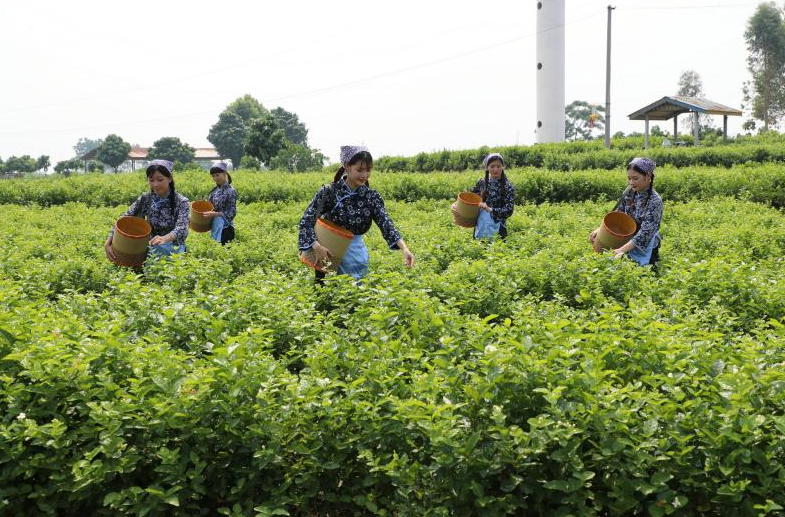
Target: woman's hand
column 161, row 239
column 623, row 250
column 593, row 236
column 485, row 207
column 108, row 249
column 454, row 208
column 320, row 253
column 408, row 256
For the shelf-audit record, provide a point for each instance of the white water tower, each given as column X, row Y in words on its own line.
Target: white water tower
column 550, row 71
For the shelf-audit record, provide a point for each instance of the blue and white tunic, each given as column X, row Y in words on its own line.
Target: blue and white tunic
column 646, row 208
column 355, row 210
column 502, row 206
column 224, row 200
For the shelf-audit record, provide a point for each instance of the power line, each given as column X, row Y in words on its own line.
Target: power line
column 101, row 126
column 212, row 71
column 325, row 88
column 679, row 7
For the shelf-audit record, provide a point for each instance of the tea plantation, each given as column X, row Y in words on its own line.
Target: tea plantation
column 524, row 377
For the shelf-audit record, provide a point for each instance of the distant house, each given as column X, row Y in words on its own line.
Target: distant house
column 137, row 158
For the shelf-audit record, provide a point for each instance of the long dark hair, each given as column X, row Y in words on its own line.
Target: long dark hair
column 363, row 157
column 164, row 172
column 218, row 169
column 651, row 186
column 503, row 180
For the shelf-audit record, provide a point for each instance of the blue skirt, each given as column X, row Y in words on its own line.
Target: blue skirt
column 486, row 227
column 165, row 250
column 355, row 260
column 643, row 258
column 219, row 223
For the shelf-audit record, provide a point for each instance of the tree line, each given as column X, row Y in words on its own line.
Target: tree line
column 246, row 132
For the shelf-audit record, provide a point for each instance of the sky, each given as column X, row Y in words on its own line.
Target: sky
column 400, row 77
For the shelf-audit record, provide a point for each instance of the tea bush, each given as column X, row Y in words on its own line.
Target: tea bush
column 586, row 155
column 760, row 183
column 529, row 376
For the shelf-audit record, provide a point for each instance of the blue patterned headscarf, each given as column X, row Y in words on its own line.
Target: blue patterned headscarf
column 350, row 151
column 645, row 165
column 490, row 157
column 223, row 166
column 166, row 164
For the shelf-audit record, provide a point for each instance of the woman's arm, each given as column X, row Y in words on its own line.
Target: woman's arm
column 230, row 210
column 307, row 236
column 183, row 216
column 650, row 224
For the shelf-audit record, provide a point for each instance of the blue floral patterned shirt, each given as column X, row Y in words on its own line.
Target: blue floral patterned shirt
column 159, row 214
column 224, row 200
column 352, row 209
column 647, row 212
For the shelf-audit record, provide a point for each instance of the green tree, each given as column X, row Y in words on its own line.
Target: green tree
column 172, row 149
column 249, row 162
column 247, row 108
column 297, row 158
column 228, row 136
column 66, row 167
column 264, row 138
column 295, row 131
column 85, row 145
column 582, row 119
column 113, row 151
column 691, row 85
column 43, row 163
column 20, row 164
column 765, row 93
column 95, row 166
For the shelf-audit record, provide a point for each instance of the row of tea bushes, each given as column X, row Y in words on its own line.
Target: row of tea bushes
column 760, row 183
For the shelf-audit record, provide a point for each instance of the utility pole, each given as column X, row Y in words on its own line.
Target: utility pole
column 608, row 83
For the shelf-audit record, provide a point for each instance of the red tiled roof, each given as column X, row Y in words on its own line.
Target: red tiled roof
column 137, row 153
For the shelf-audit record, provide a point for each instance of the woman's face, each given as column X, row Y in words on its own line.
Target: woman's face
column 219, row 178
column 495, row 168
column 639, row 182
column 357, row 174
column 159, row 183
